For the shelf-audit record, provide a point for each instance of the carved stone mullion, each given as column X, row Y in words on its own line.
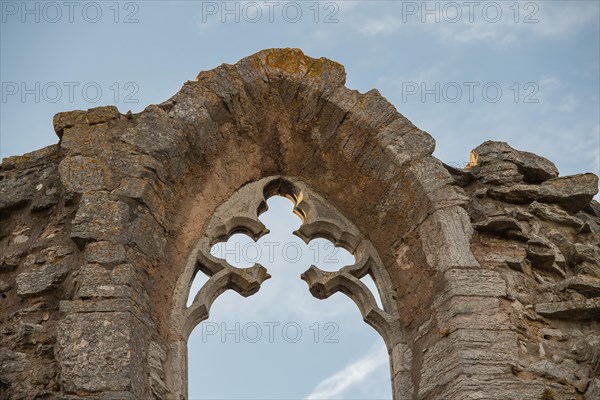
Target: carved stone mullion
column 245, row 281
column 330, row 231
column 323, row 284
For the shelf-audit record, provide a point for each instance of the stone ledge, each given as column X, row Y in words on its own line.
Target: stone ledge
column 69, row 119
column 67, row 307
column 573, row 310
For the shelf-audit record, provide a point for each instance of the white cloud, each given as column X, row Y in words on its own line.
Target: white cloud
column 507, row 26
column 381, row 26
column 350, row 376
column 565, row 17
column 567, row 104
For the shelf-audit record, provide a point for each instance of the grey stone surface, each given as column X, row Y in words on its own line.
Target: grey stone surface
column 581, row 252
column 588, row 286
column 14, row 192
column 65, row 120
column 468, row 352
column 544, row 255
column 41, row 278
column 98, row 351
column 532, row 167
column 104, row 252
column 11, row 361
column 554, row 214
column 571, row 192
column 84, row 174
column 99, row 217
column 445, row 239
column 593, row 390
column 156, row 358
column 472, row 282
column 588, row 309
column 498, row 224
column 4, row 286
column 97, row 281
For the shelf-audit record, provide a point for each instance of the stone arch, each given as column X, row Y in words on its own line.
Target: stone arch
column 97, row 231
column 138, row 193
column 240, row 214
column 280, row 113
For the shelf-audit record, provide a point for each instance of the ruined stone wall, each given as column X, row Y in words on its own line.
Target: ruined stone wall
column 541, row 233
column 494, row 269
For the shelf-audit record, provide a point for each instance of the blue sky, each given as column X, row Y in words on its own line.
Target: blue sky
column 282, row 342
column 443, row 65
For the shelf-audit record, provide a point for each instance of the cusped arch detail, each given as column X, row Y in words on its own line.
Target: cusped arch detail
column 319, row 220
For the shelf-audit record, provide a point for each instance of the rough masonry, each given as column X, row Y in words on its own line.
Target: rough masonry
column 491, row 273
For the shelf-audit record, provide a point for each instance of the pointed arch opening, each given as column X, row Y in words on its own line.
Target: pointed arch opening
column 319, row 221
column 282, row 342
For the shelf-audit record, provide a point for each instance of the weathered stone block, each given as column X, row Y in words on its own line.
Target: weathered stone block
column 148, row 234
column 11, row 361
column 584, row 252
column 517, row 194
column 467, row 352
column 102, row 114
column 492, row 387
column 64, row 120
column 498, row 224
column 98, row 281
column 593, row 390
column 574, row 310
column 104, row 252
column 31, row 334
column 445, row 237
column 99, row 351
column 532, row 167
column 573, row 193
column 45, row 198
column 86, row 140
column 401, row 358
column 99, row 217
column 105, row 305
column 81, row 174
column 540, row 254
column 435, row 184
column 141, row 190
column 471, row 312
column 4, row 286
column 41, row 278
column 15, row 192
column 10, row 259
column 554, row 214
column 156, row 357
column 472, row 282
column 588, row 286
